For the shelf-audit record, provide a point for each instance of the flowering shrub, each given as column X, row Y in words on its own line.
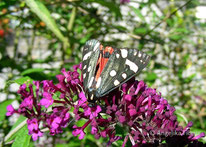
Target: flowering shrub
column 142, row 114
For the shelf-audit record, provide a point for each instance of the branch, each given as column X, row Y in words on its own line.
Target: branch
column 170, row 15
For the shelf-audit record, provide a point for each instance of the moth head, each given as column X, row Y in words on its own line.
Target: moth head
column 91, row 95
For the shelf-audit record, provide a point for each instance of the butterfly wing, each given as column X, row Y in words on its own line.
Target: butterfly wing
column 123, row 64
column 91, row 51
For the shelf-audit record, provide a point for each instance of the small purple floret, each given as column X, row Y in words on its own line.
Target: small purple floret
column 47, row 100
column 10, row 110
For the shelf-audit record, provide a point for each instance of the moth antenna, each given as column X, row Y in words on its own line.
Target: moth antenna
column 80, row 88
column 71, row 120
column 121, row 89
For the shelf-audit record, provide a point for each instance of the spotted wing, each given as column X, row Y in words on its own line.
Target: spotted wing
column 123, row 64
column 91, row 51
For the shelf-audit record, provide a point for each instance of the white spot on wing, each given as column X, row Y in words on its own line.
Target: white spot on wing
column 96, row 46
column 147, row 57
column 98, row 82
column 144, row 55
column 131, row 65
column 124, row 53
column 89, row 68
column 87, row 55
column 139, row 55
column 135, row 52
column 116, row 82
column 90, row 43
column 124, row 75
column 90, row 82
column 113, row 73
column 85, row 66
column 84, row 75
column 117, row 55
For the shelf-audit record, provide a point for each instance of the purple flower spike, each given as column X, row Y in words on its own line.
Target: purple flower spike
column 144, row 116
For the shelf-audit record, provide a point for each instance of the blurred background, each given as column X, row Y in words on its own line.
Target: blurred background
column 40, row 37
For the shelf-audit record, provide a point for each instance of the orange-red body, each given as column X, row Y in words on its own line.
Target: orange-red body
column 102, row 61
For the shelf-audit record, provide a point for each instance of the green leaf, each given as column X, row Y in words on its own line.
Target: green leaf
column 197, row 131
column 110, row 5
column 160, row 66
column 22, row 139
column 181, row 117
column 181, row 30
column 140, row 31
column 3, row 106
column 189, row 79
column 151, row 77
column 19, row 121
column 138, row 13
column 35, row 73
column 23, row 80
column 32, row 70
column 175, row 37
column 42, row 12
column 120, row 28
column 120, row 131
column 19, row 81
column 74, row 143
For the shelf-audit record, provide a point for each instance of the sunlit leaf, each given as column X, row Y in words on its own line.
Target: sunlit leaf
column 110, row 5
column 35, row 73
column 42, row 12
column 22, row 139
column 32, row 70
column 3, row 106
column 140, row 30
column 20, row 123
column 151, row 77
column 23, row 80
column 138, row 13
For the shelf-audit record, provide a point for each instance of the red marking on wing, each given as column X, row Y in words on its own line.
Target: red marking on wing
column 103, row 61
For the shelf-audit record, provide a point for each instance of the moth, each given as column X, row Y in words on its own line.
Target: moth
column 105, row 69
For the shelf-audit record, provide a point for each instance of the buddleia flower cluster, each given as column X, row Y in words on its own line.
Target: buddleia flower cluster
column 140, row 112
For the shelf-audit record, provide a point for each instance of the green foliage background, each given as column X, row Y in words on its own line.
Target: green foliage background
column 42, row 36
